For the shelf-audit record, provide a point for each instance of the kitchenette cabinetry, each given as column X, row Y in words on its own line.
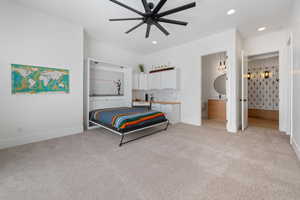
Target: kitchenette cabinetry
column 140, row 81
column 171, row 109
column 168, row 79
column 154, row 81
column 160, row 84
column 217, row 109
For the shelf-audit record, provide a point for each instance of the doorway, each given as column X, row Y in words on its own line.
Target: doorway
column 262, row 81
column 213, row 91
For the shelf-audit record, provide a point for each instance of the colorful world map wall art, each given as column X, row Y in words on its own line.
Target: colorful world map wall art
column 33, row 79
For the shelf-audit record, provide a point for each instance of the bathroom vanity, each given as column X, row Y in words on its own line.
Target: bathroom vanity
column 217, row 109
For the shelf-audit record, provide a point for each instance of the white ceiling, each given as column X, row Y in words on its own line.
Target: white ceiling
column 207, row 18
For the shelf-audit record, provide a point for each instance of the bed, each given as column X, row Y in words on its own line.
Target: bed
column 124, row 121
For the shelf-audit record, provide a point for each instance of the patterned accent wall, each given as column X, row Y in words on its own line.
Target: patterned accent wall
column 264, row 93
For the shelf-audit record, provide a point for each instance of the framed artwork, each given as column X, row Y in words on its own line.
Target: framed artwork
column 34, row 79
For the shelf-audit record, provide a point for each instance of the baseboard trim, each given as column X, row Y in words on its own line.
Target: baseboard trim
column 37, row 137
column 231, row 128
column 296, row 147
column 191, row 123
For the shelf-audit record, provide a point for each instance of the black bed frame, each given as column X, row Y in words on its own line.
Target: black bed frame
column 123, row 134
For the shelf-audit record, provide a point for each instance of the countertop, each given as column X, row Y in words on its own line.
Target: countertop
column 218, row 99
column 159, row 102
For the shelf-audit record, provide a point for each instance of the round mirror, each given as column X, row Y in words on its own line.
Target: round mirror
column 220, row 84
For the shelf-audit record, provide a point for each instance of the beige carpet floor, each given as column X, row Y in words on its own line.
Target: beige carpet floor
column 184, row 163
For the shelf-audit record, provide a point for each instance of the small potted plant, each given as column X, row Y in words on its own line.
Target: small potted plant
column 141, row 68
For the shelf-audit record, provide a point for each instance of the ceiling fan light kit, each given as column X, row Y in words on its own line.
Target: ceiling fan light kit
column 152, row 16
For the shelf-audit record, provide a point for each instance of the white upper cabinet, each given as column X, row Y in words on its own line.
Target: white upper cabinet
column 143, row 81
column 155, row 81
column 169, row 79
column 164, row 80
column 140, row 81
column 135, row 84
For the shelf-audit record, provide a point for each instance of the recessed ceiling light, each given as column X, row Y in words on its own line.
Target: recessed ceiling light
column 262, row 29
column 231, row 12
column 154, row 42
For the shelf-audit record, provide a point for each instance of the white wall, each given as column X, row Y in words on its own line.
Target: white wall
column 187, row 57
column 266, row 43
column 111, row 54
column 30, row 37
column 295, row 27
column 272, row 42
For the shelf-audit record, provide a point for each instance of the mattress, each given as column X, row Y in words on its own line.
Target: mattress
column 127, row 119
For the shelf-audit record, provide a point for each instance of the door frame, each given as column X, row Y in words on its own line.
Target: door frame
column 227, row 88
column 280, row 107
column 244, row 94
column 292, row 68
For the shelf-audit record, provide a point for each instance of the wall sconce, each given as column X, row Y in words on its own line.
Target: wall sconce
column 249, row 75
column 266, row 74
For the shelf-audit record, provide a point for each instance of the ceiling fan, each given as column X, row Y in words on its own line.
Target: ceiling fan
column 152, row 16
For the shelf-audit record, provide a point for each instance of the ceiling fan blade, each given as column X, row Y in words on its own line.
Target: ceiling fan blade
column 135, row 27
column 146, row 6
column 175, row 10
column 170, row 21
column 161, row 28
column 148, row 30
column 159, row 6
column 127, row 7
column 126, row 19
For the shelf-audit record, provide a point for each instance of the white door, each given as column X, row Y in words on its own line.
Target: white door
column 169, row 79
column 244, row 98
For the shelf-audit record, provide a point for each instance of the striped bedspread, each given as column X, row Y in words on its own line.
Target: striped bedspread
column 127, row 118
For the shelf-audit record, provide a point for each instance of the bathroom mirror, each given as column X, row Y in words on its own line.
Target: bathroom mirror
column 220, row 84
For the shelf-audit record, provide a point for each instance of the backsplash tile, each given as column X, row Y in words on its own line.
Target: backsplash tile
column 159, row 95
